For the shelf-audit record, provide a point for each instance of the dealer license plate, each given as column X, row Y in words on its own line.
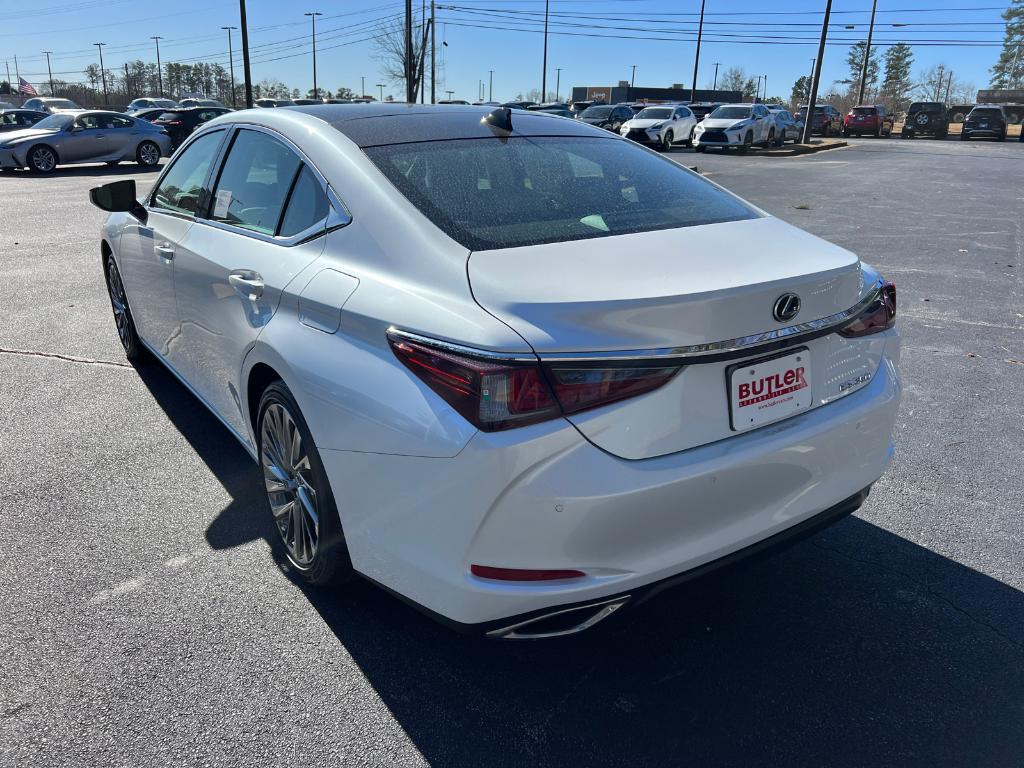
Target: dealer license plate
column 766, row 390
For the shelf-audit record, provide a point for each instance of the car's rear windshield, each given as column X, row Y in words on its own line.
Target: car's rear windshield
column 596, row 112
column 491, row 193
column 986, row 112
column 926, row 107
column 654, row 113
column 864, row 111
column 730, row 113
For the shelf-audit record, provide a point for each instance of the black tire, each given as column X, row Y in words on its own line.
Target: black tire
column 878, row 132
column 748, row 142
column 123, row 320
column 325, row 562
column 41, row 159
column 666, row 143
column 689, row 141
column 1003, row 136
column 700, row 148
column 771, row 139
column 965, row 136
column 906, row 135
column 826, row 130
column 147, row 154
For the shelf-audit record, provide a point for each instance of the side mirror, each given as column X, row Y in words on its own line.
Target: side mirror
column 118, row 197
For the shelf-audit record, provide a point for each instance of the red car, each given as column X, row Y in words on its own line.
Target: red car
column 868, row 118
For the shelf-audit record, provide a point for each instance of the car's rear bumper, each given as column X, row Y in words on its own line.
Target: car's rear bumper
column 543, row 497
column 993, row 132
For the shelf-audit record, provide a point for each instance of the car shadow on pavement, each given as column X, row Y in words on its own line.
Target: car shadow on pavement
column 85, row 171
column 855, row 647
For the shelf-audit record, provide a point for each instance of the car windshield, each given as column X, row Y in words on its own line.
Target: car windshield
column 493, row 193
column 596, row 112
column 730, row 113
column 55, row 122
column 654, row 113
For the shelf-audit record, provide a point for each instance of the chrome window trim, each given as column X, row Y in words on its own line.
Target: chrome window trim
column 742, row 344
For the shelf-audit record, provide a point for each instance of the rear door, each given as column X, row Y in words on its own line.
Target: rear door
column 87, row 142
column 122, row 134
column 262, row 226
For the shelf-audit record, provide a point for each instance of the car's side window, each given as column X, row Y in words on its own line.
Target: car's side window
column 307, row 204
column 254, row 182
column 182, row 185
column 88, row 121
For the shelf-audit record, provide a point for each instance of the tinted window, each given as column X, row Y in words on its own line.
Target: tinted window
column 596, row 112
column 254, row 182
column 181, row 186
column 863, row 111
column 55, row 122
column 987, row 112
column 730, row 113
column 115, row 121
column 654, row 113
column 493, row 193
column 306, row 206
column 88, row 121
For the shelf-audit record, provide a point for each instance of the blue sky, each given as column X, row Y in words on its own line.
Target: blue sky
column 594, row 42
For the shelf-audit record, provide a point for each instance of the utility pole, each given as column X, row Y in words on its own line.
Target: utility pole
column 231, row 64
column 764, row 93
column 490, row 85
column 937, row 91
column 159, row 69
column 558, row 82
column 312, row 15
column 812, row 101
column 632, row 78
column 127, row 83
column 49, row 71
column 245, row 54
column 544, row 76
column 757, row 91
column 433, row 54
column 103, row 72
column 410, row 91
column 949, row 85
column 9, row 83
column 696, row 58
column 715, row 86
column 362, row 91
column 867, row 54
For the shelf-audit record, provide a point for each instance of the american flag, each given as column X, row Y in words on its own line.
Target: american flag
column 26, row 89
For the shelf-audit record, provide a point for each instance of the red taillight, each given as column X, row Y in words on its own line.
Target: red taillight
column 523, row 574
column 879, row 316
column 497, row 395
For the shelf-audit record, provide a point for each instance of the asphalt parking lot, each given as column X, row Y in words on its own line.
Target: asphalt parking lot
column 145, row 621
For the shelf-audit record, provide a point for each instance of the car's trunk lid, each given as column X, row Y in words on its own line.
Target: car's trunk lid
column 662, row 290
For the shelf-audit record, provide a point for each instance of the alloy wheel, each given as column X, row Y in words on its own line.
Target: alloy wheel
column 42, row 159
column 149, row 153
column 288, row 477
column 119, row 303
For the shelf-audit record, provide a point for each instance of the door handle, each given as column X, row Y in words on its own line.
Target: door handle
column 248, row 283
column 164, row 250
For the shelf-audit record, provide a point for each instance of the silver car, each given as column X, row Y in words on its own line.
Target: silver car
column 495, row 360
column 50, row 105
column 84, row 137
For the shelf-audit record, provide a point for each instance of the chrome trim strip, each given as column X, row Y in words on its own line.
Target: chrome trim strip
column 727, row 346
column 605, row 609
column 459, row 349
column 743, row 343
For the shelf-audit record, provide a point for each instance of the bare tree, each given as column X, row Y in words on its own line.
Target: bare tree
column 390, row 50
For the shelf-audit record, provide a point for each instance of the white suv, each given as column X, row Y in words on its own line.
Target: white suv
column 737, row 125
column 662, row 125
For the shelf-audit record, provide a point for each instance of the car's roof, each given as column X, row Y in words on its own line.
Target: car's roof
column 375, row 124
column 5, row 110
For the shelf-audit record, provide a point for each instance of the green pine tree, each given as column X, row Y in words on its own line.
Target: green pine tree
column 801, row 91
column 897, row 83
column 1008, row 71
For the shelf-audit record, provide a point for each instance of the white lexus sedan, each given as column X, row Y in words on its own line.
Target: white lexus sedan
column 516, row 369
column 739, row 126
column 661, row 126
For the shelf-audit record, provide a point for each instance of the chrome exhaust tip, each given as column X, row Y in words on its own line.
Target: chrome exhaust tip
column 567, row 621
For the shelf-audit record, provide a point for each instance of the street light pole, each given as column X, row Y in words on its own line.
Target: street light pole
column 632, row 79
column 867, row 54
column 696, row 57
column 103, row 72
column 450, row 94
column 764, row 93
column 312, row 15
column 381, row 86
column 362, row 90
column 558, row 82
column 245, row 54
column 49, row 71
column 159, row 68
column 544, row 76
column 490, row 85
column 231, row 64
column 812, row 101
column 757, row 91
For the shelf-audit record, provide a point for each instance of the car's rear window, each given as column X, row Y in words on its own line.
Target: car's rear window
column 491, row 193
column 864, row 111
column 988, row 112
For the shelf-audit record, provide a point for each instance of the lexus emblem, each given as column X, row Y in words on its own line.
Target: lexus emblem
column 787, row 306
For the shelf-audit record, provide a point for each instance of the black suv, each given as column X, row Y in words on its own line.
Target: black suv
column 985, row 120
column 926, row 117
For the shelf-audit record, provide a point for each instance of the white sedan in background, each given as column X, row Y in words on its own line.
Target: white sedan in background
column 739, row 126
column 512, row 367
column 661, row 126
